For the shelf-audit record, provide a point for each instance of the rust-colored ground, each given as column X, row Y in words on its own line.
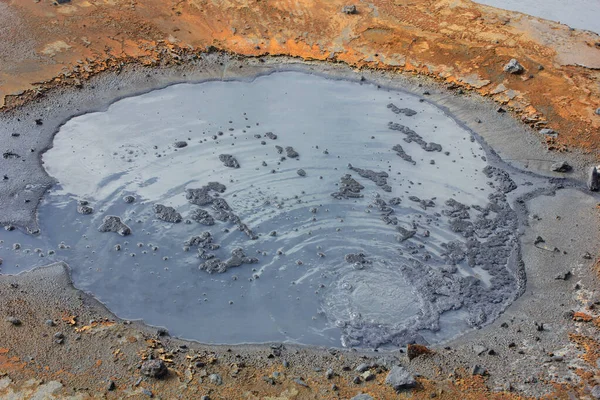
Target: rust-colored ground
column 465, row 44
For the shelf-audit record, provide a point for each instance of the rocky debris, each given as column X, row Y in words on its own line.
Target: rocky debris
column 13, row 320
column 598, row 111
column 406, row 111
column 380, row 178
column 478, row 370
column 593, row 182
column 502, row 179
column 111, row 385
column 166, row 213
column 84, row 208
column 513, row 67
column 279, row 149
column 291, row 153
column 349, row 9
column 215, row 379
column 271, row 135
column 562, row 166
column 549, row 132
column 238, row 258
column 229, row 161
column 412, row 136
column 564, row 276
column 300, row 382
column 361, row 367
column 479, row 350
column 349, row 188
column 180, row 144
column 202, row 216
column 112, row 223
column 400, row 379
column 128, row 199
column 402, row 154
column 595, row 392
column 301, row 172
column 154, row 368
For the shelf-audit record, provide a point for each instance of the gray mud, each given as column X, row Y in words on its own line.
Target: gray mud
column 463, row 230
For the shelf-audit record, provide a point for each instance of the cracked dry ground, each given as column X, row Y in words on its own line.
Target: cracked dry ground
column 460, row 44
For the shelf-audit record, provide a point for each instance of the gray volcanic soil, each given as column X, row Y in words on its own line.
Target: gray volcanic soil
column 501, row 131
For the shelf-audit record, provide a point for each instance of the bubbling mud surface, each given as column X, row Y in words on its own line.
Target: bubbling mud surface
column 289, row 208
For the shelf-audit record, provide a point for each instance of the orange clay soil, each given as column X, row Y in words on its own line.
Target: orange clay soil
column 465, row 44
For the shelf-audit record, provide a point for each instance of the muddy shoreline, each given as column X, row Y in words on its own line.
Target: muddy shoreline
column 507, row 137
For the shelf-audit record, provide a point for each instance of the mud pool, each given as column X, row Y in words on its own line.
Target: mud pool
column 286, row 208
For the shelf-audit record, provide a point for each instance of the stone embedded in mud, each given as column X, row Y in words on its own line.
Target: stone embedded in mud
column 291, row 153
column 400, row 379
column 593, row 182
column 112, row 223
column 513, row 67
column 406, row 111
column 301, row 172
column 349, row 9
column 271, row 135
column 84, row 208
column 562, row 166
column 128, row 199
column 154, row 368
column 167, row 214
column 598, row 111
column 229, row 161
column 13, row 320
column 180, row 144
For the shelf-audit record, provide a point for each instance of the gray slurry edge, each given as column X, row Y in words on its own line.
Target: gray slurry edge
column 566, row 220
